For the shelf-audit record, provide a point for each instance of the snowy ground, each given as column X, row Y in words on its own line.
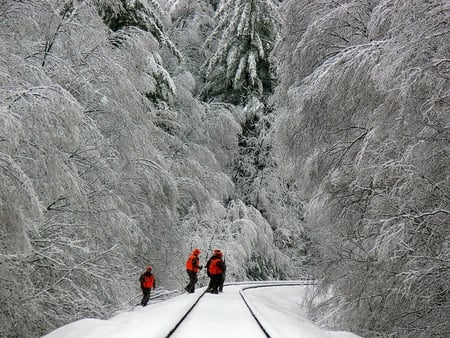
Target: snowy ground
column 224, row 315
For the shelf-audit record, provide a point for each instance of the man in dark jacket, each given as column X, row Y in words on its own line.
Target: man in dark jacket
column 147, row 283
column 215, row 269
column 193, row 267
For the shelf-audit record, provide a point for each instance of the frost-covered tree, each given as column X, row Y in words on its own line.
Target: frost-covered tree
column 77, row 196
column 243, row 39
column 259, row 183
column 122, row 15
column 245, row 237
column 107, row 164
column 363, row 121
column 126, row 19
column 254, row 154
column 192, row 22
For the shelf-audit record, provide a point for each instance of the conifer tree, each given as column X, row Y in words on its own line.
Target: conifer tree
column 191, row 24
column 121, row 15
column 240, row 66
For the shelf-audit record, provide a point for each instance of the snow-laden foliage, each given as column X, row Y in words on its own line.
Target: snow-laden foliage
column 122, row 15
column 259, row 182
column 108, row 163
column 254, row 153
column 239, row 138
column 213, row 133
column 244, row 37
column 192, row 22
column 364, row 103
column 77, row 218
column 244, row 236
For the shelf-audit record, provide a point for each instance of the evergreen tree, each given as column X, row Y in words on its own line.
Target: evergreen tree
column 129, row 19
column 121, row 16
column 240, row 67
column 191, row 24
column 254, row 156
column 259, row 183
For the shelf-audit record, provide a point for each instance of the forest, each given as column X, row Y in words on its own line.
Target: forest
column 304, row 138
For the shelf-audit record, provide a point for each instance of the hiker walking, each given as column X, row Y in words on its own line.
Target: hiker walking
column 215, row 269
column 193, row 267
column 147, row 283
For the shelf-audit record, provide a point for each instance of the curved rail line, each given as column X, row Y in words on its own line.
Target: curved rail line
column 241, row 293
column 257, row 284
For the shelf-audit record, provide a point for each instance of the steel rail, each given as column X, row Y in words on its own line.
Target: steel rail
column 256, row 284
column 268, row 285
column 177, row 325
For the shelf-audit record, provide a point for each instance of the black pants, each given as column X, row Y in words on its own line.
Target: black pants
column 215, row 282
column 146, row 296
column 222, row 280
column 192, row 281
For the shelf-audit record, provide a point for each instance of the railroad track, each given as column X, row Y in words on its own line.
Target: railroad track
column 245, row 286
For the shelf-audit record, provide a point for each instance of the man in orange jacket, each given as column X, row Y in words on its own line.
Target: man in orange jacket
column 193, row 267
column 215, row 269
column 147, row 283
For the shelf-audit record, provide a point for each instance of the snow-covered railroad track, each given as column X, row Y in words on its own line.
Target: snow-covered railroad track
column 185, row 315
column 241, row 321
column 268, row 285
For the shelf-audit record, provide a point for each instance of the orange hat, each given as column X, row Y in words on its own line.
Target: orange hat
column 196, row 252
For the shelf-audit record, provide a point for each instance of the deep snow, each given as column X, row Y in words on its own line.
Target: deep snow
column 225, row 315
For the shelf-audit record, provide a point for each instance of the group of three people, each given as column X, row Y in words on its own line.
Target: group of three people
column 215, row 269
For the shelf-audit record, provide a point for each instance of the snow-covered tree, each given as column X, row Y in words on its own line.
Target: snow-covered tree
column 243, row 40
column 107, row 163
column 76, row 198
column 254, row 154
column 192, row 22
column 363, row 122
column 259, row 183
column 122, row 15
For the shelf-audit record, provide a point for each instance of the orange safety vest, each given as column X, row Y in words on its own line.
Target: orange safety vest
column 190, row 263
column 214, row 268
column 148, row 281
